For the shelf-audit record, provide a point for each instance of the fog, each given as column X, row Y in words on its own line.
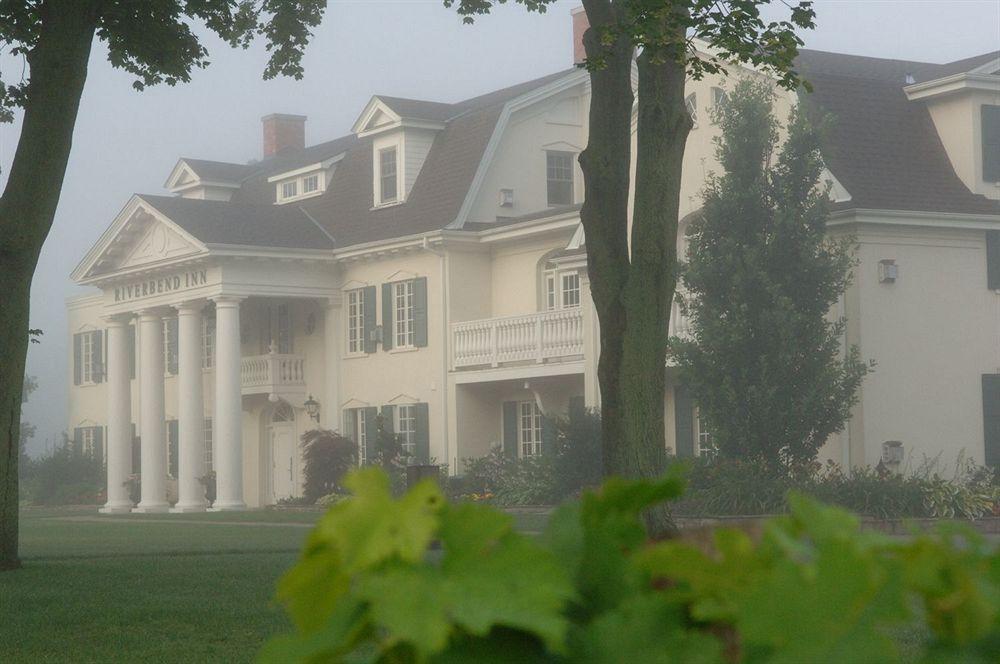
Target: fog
column 127, row 141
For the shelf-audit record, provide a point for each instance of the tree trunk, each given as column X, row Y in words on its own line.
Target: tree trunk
column 58, row 70
column 633, row 291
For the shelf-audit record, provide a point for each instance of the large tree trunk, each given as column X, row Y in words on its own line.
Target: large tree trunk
column 58, row 70
column 633, row 291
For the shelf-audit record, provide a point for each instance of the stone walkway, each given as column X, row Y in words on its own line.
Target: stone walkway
column 196, row 522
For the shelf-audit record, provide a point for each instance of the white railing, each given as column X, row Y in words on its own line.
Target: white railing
column 531, row 337
column 272, row 372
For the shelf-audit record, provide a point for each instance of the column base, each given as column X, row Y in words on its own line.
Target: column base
column 158, row 508
column 228, row 507
column 118, row 508
column 187, row 509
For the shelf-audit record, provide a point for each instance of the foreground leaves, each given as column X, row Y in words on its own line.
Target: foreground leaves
column 372, row 586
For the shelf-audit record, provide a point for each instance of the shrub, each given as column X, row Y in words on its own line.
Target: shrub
column 66, row 478
column 368, row 586
column 327, row 457
column 208, row 481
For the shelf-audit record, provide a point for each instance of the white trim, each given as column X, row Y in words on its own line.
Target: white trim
column 518, row 373
column 953, row 83
column 375, row 104
column 991, row 67
column 319, row 165
column 946, row 220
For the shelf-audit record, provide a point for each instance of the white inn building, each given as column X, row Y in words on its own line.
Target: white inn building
column 430, row 266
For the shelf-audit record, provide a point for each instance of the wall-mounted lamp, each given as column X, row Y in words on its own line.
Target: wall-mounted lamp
column 312, row 408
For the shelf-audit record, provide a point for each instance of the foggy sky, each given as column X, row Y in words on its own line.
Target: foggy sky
column 127, row 142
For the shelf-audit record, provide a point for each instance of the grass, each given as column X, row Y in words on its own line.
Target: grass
column 153, row 587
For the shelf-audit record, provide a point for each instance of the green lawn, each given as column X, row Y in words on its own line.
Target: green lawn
column 156, row 588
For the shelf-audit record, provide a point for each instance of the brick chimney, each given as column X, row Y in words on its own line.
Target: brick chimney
column 580, row 25
column 283, row 132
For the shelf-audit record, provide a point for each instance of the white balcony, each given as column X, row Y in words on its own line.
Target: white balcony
column 537, row 338
column 274, row 373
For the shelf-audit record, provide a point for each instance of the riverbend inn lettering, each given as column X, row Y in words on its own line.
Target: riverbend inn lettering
column 150, row 287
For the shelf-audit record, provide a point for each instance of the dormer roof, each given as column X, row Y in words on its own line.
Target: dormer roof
column 188, row 172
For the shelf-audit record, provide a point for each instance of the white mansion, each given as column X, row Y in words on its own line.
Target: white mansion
column 430, row 267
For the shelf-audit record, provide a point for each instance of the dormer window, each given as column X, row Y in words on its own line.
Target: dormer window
column 388, row 176
column 559, row 177
column 289, row 189
column 305, row 182
column 310, row 184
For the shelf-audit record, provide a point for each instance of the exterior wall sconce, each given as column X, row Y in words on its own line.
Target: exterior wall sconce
column 312, row 408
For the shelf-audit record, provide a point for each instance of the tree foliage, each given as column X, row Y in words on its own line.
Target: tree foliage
column 765, row 361
column 327, row 458
column 371, row 587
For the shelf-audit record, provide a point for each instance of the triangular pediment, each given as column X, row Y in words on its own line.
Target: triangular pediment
column 139, row 237
column 376, row 116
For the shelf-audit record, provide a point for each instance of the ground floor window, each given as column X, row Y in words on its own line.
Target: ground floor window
column 173, row 459
column 529, row 430
column 209, row 463
column 356, row 428
column 406, row 428
column 706, row 445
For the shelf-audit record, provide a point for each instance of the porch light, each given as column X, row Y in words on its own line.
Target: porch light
column 312, row 407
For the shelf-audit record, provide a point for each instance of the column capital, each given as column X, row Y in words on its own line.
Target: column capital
column 190, row 306
column 151, row 313
column 117, row 320
column 227, row 300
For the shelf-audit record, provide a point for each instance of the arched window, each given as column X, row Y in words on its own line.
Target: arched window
column 282, row 412
column 692, row 106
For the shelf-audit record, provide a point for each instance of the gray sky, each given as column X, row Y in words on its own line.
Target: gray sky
column 127, row 142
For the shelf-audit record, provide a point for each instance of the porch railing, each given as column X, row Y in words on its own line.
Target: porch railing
column 274, row 372
column 528, row 338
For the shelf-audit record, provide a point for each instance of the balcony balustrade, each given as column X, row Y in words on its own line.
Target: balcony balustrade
column 538, row 337
column 274, row 373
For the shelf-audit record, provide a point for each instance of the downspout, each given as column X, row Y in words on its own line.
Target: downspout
column 445, row 308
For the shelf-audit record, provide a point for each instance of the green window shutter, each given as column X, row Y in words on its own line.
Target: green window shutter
column 371, row 432
column 99, row 444
column 388, row 418
column 991, row 419
column 549, row 434
column 991, row 142
column 423, row 433
column 510, row 429
column 78, row 440
column 172, row 447
column 368, row 318
column 993, row 260
column 684, row 421
column 387, row 309
column 97, row 363
column 172, row 346
column 420, row 312
column 77, row 358
column 131, row 351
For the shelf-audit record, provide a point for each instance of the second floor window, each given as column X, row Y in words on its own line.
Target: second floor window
column 170, row 346
column 290, row 189
column 562, row 289
column 88, row 357
column 207, row 342
column 402, row 295
column 356, row 321
column 387, row 175
column 310, row 184
column 559, row 177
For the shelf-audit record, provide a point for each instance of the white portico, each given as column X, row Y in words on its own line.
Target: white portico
column 181, row 315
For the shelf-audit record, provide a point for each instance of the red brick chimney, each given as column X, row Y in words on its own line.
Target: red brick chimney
column 580, row 25
column 283, row 132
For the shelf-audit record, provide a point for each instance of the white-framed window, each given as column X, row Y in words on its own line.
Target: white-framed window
column 356, row 321
column 559, row 177
column 691, row 102
column 89, row 371
column 310, row 183
column 209, row 459
column 169, row 346
column 403, row 318
column 289, row 189
column 88, row 438
column 355, row 428
column 388, row 175
column 405, row 427
column 719, row 98
column 207, row 342
column 706, row 446
column 529, row 429
column 562, row 289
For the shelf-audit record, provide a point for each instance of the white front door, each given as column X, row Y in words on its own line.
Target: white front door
column 284, row 461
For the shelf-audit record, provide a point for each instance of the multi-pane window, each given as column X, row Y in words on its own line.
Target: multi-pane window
column 209, row 463
column 310, row 184
column 692, row 107
column 403, row 320
column 89, row 369
column 406, row 428
column 290, row 189
column 559, row 177
column 529, row 429
column 355, row 428
column 706, row 446
column 387, row 175
column 208, row 342
column 562, row 289
column 170, row 345
column 276, row 329
column 719, row 98
column 356, row 321
column 88, row 442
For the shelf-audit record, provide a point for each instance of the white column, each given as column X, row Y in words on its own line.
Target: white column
column 332, row 326
column 190, row 410
column 118, row 448
column 591, row 345
column 228, row 425
column 151, row 414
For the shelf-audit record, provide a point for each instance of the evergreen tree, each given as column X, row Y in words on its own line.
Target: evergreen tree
column 766, row 361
